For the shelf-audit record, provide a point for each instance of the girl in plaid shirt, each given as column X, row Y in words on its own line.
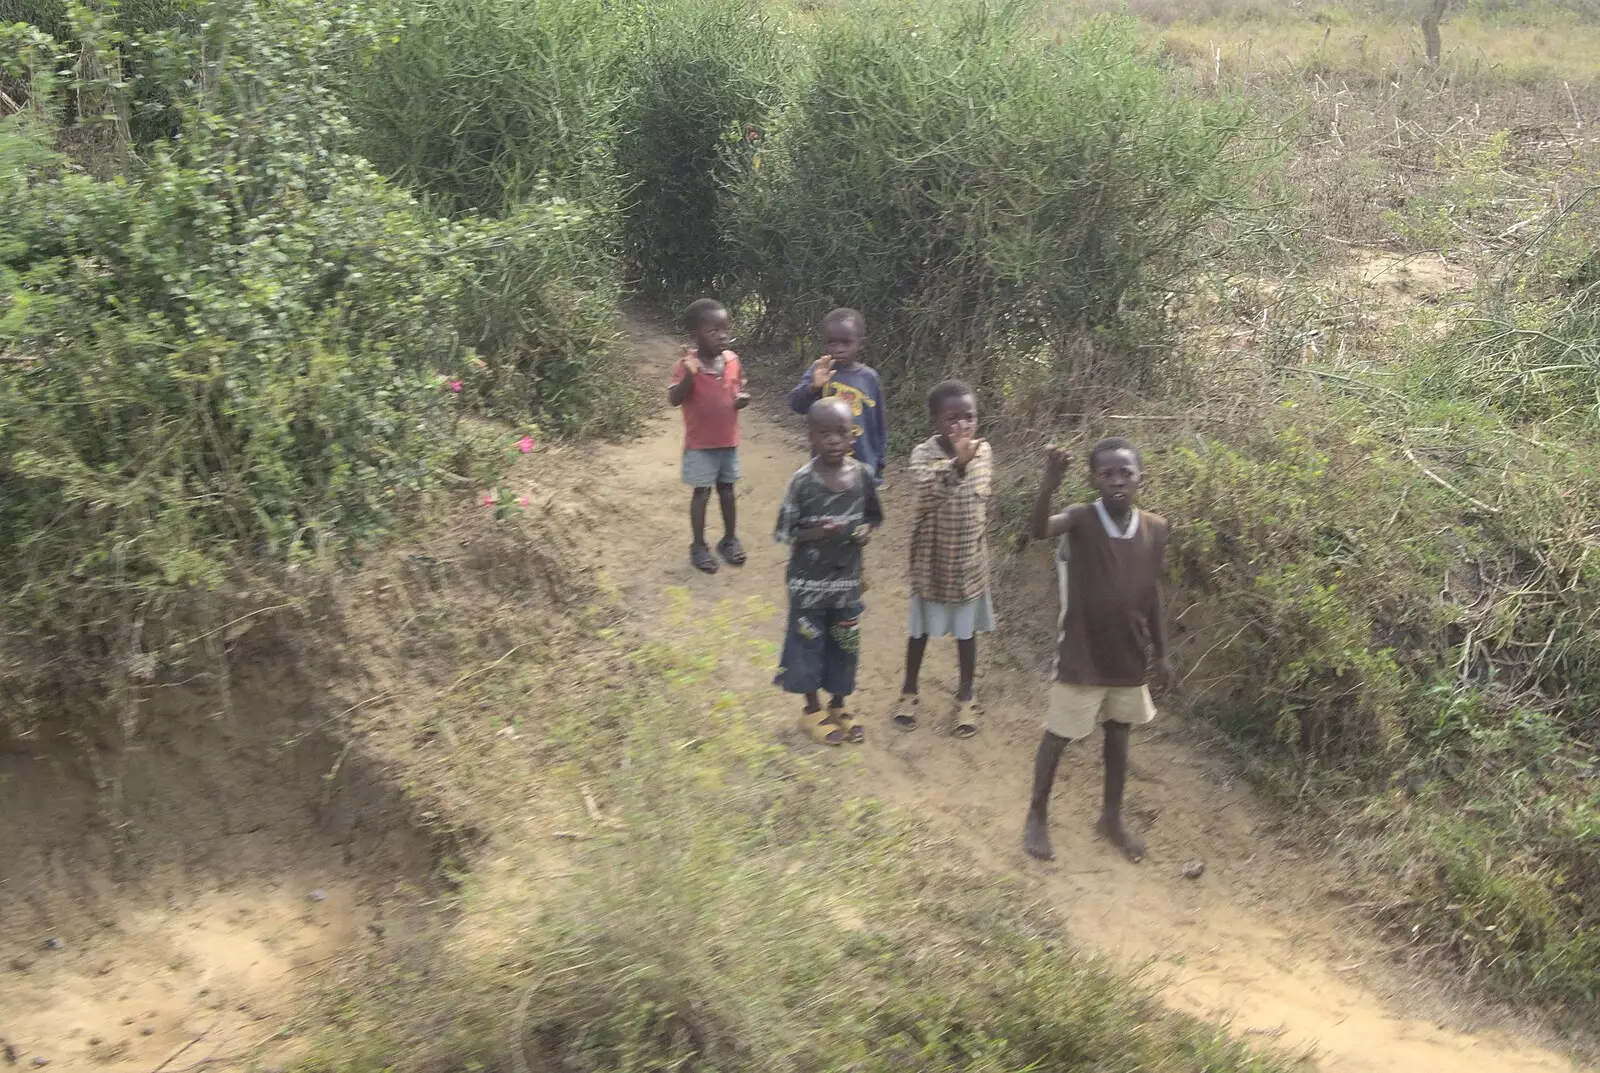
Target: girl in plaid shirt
column 951, row 480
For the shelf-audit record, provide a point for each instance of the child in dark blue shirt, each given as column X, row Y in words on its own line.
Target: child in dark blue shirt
column 838, row 374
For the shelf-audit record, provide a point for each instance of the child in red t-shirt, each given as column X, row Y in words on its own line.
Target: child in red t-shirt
column 708, row 386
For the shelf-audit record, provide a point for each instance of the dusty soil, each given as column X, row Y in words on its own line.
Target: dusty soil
column 259, row 854
column 1264, row 937
column 251, row 854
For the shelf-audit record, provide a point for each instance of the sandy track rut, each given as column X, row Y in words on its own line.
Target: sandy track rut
column 1263, row 937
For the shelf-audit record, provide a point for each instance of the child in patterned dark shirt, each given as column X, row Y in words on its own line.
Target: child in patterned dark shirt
column 828, row 513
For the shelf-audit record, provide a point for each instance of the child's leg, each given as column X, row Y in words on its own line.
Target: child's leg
column 1118, row 736
column 729, row 510
column 967, row 658
column 1036, row 832
column 697, row 515
column 841, row 655
column 915, row 648
column 800, row 670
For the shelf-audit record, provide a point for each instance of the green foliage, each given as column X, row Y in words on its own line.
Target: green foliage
column 234, row 357
column 1314, row 596
column 1370, row 628
column 976, row 188
column 477, row 102
column 701, row 81
column 1497, row 859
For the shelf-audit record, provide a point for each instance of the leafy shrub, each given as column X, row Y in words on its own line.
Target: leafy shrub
column 700, row 84
column 232, row 358
column 476, row 102
column 972, row 187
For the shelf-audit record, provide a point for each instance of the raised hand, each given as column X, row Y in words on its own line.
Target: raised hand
column 966, row 447
column 690, row 361
column 821, row 372
column 1056, row 462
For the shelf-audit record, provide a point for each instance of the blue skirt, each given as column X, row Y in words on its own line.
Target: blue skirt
column 961, row 621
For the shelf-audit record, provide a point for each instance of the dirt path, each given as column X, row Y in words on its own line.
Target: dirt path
column 1263, row 936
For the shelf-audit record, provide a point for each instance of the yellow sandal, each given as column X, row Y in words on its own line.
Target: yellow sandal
column 854, row 732
column 822, row 728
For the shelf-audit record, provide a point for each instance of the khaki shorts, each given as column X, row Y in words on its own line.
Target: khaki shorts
column 1076, row 710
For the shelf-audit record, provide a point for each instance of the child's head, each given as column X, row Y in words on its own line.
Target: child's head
column 829, row 423
column 1116, row 470
column 843, row 332
column 707, row 321
column 954, row 408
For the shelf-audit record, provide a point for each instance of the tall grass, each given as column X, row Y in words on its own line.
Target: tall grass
column 976, row 188
column 701, row 81
column 476, row 102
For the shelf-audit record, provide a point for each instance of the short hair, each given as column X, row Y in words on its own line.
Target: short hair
column 1114, row 443
column 842, row 314
column 944, row 391
column 827, row 404
column 699, row 310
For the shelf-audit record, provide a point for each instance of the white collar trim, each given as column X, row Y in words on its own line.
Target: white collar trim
column 1111, row 526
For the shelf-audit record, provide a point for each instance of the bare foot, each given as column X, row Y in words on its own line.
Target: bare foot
column 1112, row 830
column 1036, row 837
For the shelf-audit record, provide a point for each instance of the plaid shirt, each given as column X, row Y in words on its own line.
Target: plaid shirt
column 950, row 515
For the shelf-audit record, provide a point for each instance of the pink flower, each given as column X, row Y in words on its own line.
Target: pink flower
column 526, row 501
column 454, row 386
column 525, row 444
column 488, row 499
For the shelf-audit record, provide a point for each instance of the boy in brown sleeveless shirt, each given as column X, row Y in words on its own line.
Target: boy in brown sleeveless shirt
column 1112, row 630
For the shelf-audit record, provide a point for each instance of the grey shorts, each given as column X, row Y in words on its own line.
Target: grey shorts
column 702, row 469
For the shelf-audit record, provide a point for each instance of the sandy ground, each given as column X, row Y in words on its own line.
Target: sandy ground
column 204, row 964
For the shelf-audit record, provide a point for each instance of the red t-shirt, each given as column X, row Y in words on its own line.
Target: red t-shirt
column 709, row 420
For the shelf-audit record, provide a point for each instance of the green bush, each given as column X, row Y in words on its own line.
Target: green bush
column 974, row 188
column 477, row 102
column 701, row 82
column 239, row 354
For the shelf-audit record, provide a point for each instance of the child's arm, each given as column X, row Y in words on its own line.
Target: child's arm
column 1166, row 676
column 683, row 375
column 877, row 427
column 812, row 381
column 1041, row 523
column 936, row 477
column 788, row 530
column 824, row 531
column 873, row 509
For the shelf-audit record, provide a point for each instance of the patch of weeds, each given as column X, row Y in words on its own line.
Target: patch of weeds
column 732, row 907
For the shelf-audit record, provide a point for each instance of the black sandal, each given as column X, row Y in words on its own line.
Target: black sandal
column 732, row 550
column 700, row 556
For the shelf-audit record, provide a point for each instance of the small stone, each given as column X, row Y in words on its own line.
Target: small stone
column 40, row 1060
column 54, row 943
column 147, row 1030
column 95, row 1041
column 11, row 1054
column 21, row 964
column 318, row 896
column 377, row 929
column 1194, row 869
